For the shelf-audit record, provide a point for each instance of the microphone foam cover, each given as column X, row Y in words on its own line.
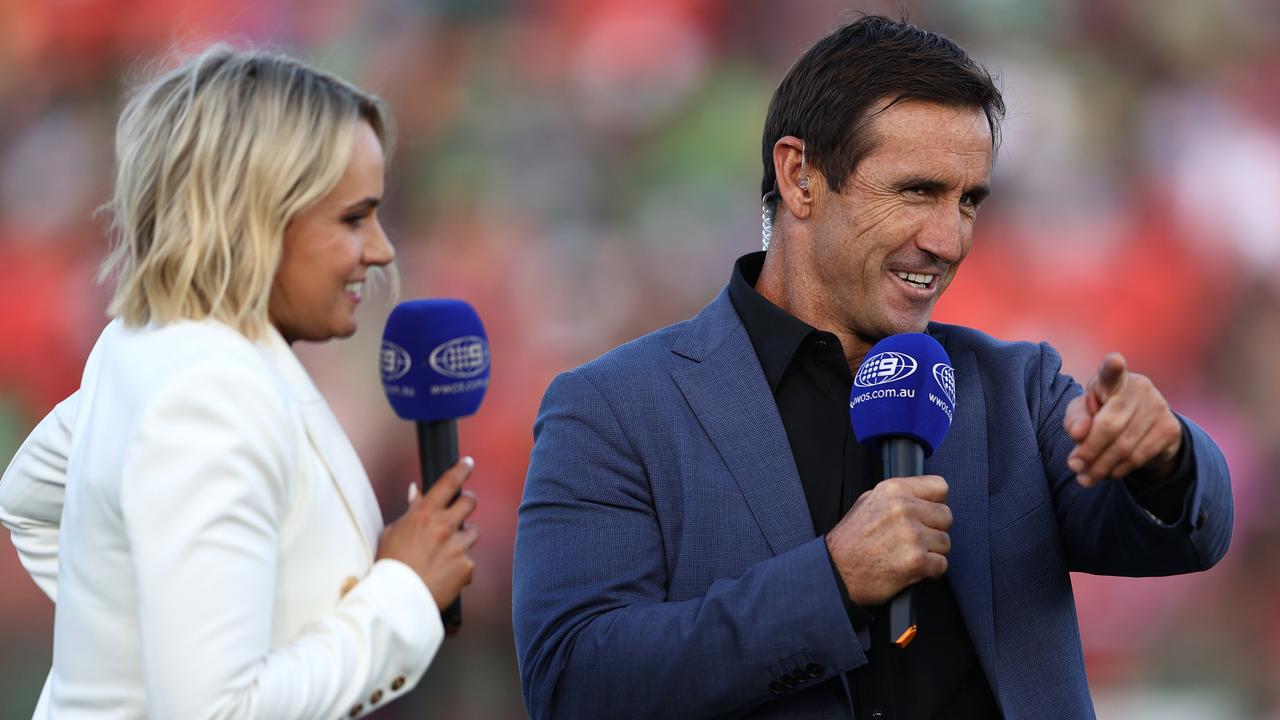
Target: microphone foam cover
column 434, row 359
column 905, row 388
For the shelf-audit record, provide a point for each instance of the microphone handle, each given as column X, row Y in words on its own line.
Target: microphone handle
column 437, row 452
column 903, row 457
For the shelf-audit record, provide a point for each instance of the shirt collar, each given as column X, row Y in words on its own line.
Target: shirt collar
column 775, row 334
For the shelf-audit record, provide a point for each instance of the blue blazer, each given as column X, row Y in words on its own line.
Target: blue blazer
column 666, row 565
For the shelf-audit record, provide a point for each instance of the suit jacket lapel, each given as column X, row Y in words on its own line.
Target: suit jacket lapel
column 724, row 385
column 722, row 381
column 962, row 460
column 330, row 442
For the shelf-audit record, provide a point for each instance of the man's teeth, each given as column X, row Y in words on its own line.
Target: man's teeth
column 355, row 288
column 916, row 279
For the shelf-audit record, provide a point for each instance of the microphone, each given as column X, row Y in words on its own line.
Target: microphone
column 435, row 369
column 902, row 400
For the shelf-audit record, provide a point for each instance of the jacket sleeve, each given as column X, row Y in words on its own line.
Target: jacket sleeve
column 596, row 635
column 32, row 492
column 1105, row 531
column 205, row 491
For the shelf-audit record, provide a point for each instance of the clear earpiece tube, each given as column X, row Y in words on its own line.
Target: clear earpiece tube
column 767, row 209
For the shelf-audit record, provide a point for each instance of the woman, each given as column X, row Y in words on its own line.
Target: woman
column 219, row 551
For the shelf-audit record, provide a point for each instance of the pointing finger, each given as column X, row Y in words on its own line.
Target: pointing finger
column 1110, row 378
column 1111, row 423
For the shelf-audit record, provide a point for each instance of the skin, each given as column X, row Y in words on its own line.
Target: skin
column 432, row 536
column 326, row 247
column 910, row 206
column 1120, row 424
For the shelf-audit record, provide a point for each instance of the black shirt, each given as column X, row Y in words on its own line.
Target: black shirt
column 938, row 674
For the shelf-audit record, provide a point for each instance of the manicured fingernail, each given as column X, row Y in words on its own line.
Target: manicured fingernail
column 469, row 461
column 1084, row 480
column 1076, row 464
column 413, row 491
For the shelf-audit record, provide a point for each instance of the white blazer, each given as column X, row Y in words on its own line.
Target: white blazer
column 213, row 556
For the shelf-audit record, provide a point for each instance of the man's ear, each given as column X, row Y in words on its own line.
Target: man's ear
column 795, row 187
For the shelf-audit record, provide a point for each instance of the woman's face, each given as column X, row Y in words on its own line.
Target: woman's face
column 328, row 250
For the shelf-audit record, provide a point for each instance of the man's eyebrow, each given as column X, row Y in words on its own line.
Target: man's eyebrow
column 933, row 185
column 921, row 182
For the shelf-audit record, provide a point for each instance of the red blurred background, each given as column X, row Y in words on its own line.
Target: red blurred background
column 586, row 171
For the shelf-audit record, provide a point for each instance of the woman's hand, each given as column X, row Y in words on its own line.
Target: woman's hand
column 431, row 538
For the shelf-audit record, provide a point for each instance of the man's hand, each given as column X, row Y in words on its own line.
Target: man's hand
column 893, row 536
column 1120, row 424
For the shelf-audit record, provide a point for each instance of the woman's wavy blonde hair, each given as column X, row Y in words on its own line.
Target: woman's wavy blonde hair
column 213, row 159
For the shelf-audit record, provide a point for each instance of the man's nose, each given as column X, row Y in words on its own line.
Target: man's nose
column 944, row 233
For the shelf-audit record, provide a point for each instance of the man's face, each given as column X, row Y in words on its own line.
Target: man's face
column 890, row 242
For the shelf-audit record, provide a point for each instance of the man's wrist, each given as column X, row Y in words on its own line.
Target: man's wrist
column 858, row 615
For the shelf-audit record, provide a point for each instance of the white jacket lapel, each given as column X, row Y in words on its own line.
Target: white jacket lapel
column 328, row 439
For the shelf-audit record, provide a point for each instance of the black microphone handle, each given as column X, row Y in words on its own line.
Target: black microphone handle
column 903, row 457
column 437, row 452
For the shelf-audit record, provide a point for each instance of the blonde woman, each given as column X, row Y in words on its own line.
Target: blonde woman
column 204, row 526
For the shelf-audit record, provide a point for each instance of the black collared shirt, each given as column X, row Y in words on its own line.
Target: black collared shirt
column 938, row 675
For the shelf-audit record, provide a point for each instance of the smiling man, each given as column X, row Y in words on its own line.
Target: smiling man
column 702, row 535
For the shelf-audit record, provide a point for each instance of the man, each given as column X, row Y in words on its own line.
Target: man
column 701, row 534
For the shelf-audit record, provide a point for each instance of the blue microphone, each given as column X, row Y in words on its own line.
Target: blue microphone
column 902, row 400
column 435, row 369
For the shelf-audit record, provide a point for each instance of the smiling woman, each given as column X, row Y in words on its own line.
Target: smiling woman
column 204, row 525
column 215, row 160
column 329, row 249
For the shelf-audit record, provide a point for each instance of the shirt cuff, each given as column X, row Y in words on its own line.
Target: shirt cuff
column 1165, row 499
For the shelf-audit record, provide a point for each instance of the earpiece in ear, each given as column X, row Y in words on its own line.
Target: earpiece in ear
column 804, row 179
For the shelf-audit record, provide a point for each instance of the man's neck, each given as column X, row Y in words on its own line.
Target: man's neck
column 801, row 296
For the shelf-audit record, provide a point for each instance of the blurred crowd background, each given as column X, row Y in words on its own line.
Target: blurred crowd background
column 585, row 171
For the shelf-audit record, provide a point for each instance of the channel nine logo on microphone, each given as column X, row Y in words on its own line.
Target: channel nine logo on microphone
column 452, row 367
column 882, row 369
column 892, row 368
column 395, row 362
column 885, row 367
column 945, row 376
column 461, row 358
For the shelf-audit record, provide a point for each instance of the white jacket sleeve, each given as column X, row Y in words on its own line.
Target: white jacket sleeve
column 32, row 491
column 204, row 494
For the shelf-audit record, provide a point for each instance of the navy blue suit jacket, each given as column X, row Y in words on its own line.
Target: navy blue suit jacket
column 666, row 565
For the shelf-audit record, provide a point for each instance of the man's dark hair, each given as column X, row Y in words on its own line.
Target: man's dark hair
column 826, row 97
